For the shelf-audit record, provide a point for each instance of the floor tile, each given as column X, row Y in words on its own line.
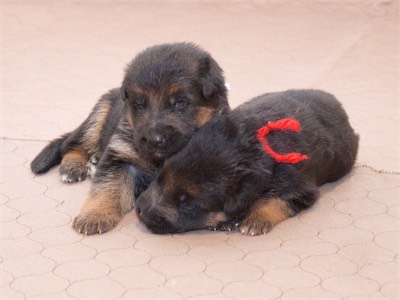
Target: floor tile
column 59, row 57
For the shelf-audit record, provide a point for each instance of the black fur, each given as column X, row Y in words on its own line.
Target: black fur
column 224, row 168
column 169, row 91
column 147, row 78
column 50, row 156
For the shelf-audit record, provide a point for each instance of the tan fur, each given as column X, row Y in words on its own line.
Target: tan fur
column 264, row 215
column 204, row 115
column 76, row 154
column 99, row 214
column 74, row 164
column 178, row 181
column 214, row 218
column 90, row 140
column 173, row 88
column 165, row 93
column 76, row 159
column 116, row 194
column 125, row 150
column 106, row 204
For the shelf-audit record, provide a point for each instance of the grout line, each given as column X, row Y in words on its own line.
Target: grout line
column 5, row 138
column 379, row 171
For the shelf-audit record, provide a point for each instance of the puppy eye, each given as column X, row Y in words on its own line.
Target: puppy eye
column 183, row 198
column 184, row 204
column 187, row 206
column 140, row 104
column 124, row 94
column 180, row 104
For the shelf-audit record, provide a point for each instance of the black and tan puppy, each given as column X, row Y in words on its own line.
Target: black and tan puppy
column 225, row 177
column 169, row 91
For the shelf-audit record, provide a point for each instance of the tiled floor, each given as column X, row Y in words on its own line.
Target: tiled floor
column 58, row 57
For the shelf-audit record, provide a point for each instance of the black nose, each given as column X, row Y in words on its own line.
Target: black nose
column 157, row 139
column 141, row 208
column 154, row 139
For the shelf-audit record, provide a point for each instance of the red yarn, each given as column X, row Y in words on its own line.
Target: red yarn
column 284, row 124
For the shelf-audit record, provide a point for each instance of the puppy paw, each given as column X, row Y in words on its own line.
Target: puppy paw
column 254, row 226
column 74, row 165
column 226, row 226
column 265, row 215
column 89, row 224
column 73, row 172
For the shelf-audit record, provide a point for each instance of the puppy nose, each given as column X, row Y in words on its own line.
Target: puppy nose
column 141, row 210
column 142, row 206
column 156, row 139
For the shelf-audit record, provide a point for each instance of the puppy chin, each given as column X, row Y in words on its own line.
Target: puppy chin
column 156, row 157
column 214, row 218
column 159, row 155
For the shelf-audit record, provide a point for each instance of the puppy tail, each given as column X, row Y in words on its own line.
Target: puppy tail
column 50, row 156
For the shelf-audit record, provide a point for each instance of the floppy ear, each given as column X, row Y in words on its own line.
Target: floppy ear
column 123, row 93
column 211, row 78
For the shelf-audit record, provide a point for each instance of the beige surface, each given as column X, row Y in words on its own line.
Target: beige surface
column 58, row 57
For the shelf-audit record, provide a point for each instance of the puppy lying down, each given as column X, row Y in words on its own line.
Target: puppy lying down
column 236, row 173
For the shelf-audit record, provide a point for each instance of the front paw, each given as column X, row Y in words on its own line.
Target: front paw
column 255, row 226
column 226, row 226
column 90, row 224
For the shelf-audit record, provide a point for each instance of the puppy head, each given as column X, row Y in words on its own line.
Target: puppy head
column 170, row 91
column 178, row 201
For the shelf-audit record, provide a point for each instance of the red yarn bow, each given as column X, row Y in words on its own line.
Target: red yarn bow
column 284, row 124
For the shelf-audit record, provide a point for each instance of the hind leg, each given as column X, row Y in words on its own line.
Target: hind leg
column 84, row 147
column 74, row 165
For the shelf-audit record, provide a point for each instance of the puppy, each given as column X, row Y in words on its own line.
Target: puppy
column 169, row 91
column 232, row 173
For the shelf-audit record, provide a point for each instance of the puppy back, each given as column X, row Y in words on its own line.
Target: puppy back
column 326, row 135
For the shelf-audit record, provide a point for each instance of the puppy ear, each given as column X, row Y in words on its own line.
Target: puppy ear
column 211, row 78
column 124, row 94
